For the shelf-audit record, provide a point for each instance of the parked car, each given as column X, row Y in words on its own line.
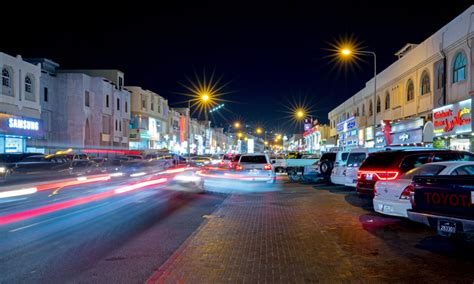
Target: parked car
column 390, row 165
column 256, row 167
column 326, row 164
column 393, row 197
column 444, row 203
column 338, row 174
column 199, row 161
column 229, row 161
column 279, row 163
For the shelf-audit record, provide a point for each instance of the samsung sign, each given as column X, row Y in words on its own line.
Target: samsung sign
column 23, row 124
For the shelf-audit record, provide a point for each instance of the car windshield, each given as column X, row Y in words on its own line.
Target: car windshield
column 424, row 170
column 260, row 159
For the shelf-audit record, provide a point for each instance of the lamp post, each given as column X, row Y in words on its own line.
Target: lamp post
column 348, row 52
column 204, row 100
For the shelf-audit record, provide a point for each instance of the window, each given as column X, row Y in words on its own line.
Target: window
column 440, row 76
column 86, row 98
column 459, row 68
column 464, row 171
column 6, row 78
column 371, row 108
column 357, row 111
column 152, row 106
column 425, row 170
column 120, row 82
column 120, row 125
column 118, row 104
column 378, row 105
column 126, row 106
column 253, row 159
column 363, row 109
column 425, row 83
column 107, row 101
column 387, row 100
column 143, row 102
column 28, row 85
column 414, row 161
column 45, row 94
column 440, row 157
column 467, row 157
column 355, row 159
column 410, row 91
column 116, row 125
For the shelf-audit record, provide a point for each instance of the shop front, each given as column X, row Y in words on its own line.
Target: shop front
column 453, row 126
column 409, row 133
column 15, row 131
column 312, row 139
column 369, row 137
column 348, row 134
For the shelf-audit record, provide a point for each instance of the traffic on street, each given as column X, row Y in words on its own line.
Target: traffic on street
column 237, row 143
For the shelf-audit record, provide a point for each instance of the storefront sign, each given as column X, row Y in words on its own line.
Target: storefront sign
column 369, row 133
column 453, row 118
column 22, row 126
column 412, row 136
column 346, row 125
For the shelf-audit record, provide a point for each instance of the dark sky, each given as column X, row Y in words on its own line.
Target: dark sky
column 273, row 53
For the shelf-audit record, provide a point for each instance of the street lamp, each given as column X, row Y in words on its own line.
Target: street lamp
column 259, row 130
column 204, row 99
column 300, row 114
column 348, row 52
column 237, row 125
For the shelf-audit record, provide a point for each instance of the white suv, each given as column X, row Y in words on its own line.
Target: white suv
column 256, row 167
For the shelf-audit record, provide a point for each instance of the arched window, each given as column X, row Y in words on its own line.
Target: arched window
column 357, row 112
column 371, row 108
column 379, row 106
column 387, row 100
column 28, row 85
column 410, row 91
column 363, row 109
column 459, row 67
column 6, row 78
column 440, row 76
column 425, row 83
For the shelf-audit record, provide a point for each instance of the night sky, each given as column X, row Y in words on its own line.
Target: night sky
column 272, row 54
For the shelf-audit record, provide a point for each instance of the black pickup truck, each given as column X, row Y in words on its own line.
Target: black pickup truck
column 444, row 203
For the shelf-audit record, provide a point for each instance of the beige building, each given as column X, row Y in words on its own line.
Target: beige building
column 426, row 76
column 20, row 108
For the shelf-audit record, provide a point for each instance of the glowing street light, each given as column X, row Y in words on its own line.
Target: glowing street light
column 239, row 134
column 266, row 143
column 346, row 52
column 237, row 124
column 259, row 130
column 246, row 138
column 300, row 114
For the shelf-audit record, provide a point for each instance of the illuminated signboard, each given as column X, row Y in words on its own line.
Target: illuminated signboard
column 346, row 125
column 24, row 124
column 453, row 119
column 17, row 125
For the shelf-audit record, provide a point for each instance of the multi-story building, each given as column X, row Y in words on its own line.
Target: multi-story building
column 426, row 92
column 20, row 108
column 177, row 140
column 83, row 108
column 149, row 124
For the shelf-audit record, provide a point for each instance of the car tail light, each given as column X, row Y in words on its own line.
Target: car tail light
column 221, row 163
column 408, row 192
column 378, row 175
column 239, row 167
column 267, row 167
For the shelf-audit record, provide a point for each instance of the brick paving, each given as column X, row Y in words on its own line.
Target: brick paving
column 305, row 235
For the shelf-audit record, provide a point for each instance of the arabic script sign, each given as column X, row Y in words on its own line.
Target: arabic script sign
column 453, row 119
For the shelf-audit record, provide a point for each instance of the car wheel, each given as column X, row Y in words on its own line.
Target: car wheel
column 325, row 168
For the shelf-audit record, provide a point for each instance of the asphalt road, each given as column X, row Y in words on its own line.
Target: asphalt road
column 118, row 238
column 248, row 231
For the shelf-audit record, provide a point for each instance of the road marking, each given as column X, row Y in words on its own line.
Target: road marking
column 51, row 219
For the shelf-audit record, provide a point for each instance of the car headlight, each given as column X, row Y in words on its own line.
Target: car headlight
column 3, row 170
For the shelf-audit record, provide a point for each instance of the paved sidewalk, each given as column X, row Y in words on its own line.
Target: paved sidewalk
column 306, row 235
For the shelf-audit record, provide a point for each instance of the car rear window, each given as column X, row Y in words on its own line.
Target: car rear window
column 254, row 159
column 425, row 170
column 414, row 161
column 379, row 161
column 355, row 159
column 227, row 157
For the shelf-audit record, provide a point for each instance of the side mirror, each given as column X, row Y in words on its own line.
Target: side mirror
column 273, row 161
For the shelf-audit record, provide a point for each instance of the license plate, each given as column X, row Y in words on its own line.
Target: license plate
column 369, row 176
column 299, row 173
column 386, row 208
column 446, row 226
